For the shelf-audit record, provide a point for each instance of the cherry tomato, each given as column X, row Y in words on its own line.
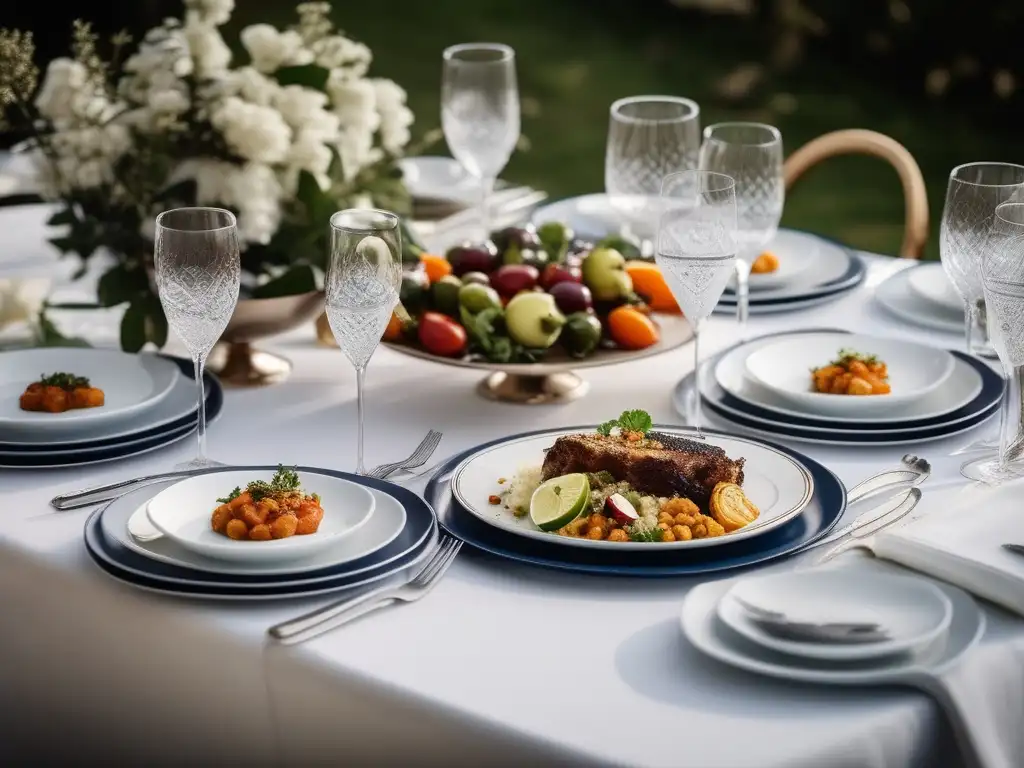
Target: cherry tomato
column 441, row 335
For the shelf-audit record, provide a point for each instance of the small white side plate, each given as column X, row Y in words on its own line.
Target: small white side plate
column 929, row 281
column 710, row 636
column 439, row 178
column 130, row 384
column 182, row 513
column 898, row 299
column 783, row 367
column 912, row 611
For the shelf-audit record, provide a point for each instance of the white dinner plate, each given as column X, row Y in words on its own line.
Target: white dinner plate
column 929, row 281
column 780, row 307
column 130, row 384
column 182, row 513
column 702, row 627
column 895, row 295
column 778, row 485
column 912, row 611
column 783, row 367
column 439, row 178
column 386, row 522
column 962, row 386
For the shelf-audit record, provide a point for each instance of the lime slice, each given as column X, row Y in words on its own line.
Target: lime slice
column 559, row 501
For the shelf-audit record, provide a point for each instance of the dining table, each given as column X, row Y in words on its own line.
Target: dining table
column 501, row 664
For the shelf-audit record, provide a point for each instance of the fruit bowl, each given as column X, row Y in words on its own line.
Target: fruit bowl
column 553, row 380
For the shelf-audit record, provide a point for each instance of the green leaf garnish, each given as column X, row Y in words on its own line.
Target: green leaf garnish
column 643, row 534
column 284, row 482
column 847, row 356
column 231, row 496
column 629, row 421
column 63, row 380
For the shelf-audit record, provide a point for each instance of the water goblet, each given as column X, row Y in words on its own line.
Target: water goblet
column 1003, row 283
column 198, row 271
column 696, row 249
column 480, row 112
column 649, row 137
column 364, row 275
column 752, row 154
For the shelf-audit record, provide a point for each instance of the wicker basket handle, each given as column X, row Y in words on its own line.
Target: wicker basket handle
column 862, row 142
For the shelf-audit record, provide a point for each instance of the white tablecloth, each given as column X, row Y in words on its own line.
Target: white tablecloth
column 500, row 664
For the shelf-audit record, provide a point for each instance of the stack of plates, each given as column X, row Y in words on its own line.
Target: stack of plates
column 799, row 500
column 924, row 296
column 150, row 402
column 920, row 626
column 159, row 538
column 764, row 387
column 812, row 270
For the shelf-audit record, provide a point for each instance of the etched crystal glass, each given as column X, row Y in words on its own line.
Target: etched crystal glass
column 752, row 154
column 480, row 112
column 1003, row 285
column 649, row 137
column 974, row 191
column 696, row 250
column 197, row 276
column 364, row 275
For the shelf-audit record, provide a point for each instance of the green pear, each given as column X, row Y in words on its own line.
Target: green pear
column 533, row 320
column 604, row 273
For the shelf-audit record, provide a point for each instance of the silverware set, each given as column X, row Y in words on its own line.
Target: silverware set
column 505, row 207
column 827, row 631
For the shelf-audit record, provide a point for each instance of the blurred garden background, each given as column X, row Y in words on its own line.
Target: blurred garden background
column 939, row 76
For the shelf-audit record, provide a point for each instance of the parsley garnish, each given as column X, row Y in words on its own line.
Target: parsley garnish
column 63, row 380
column 284, row 482
column 644, row 534
column 629, row 421
column 847, row 356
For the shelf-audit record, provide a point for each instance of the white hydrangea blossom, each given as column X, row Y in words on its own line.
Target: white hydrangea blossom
column 179, row 86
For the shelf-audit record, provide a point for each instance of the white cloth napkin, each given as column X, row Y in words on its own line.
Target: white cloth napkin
column 957, row 537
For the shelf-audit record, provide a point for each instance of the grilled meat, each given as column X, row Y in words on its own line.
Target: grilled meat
column 677, row 467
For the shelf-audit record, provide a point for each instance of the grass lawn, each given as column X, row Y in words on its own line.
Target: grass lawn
column 575, row 57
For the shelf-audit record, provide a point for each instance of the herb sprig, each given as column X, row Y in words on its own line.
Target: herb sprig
column 629, row 421
column 847, row 356
column 63, row 380
column 284, row 482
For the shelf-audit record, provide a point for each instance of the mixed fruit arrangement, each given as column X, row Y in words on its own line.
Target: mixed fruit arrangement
column 528, row 291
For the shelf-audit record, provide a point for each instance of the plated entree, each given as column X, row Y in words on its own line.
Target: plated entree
column 625, row 482
column 852, row 373
column 60, row 392
column 265, row 511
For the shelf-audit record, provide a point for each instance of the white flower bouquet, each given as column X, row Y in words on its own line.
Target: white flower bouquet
column 283, row 140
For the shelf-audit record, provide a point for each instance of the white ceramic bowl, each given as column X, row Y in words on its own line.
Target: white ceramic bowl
column 182, row 513
column 930, row 282
column 784, row 367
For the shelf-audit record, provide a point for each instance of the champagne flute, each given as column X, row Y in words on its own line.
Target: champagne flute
column 198, row 271
column 696, row 249
column 364, row 275
column 649, row 137
column 480, row 112
column 752, row 154
column 1003, row 284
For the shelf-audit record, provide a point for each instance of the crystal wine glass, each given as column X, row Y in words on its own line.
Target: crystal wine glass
column 696, row 249
column 363, row 278
column 752, row 154
column 197, row 276
column 649, row 137
column 480, row 112
column 1003, row 282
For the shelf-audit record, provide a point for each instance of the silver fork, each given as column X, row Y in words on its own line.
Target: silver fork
column 913, row 470
column 418, row 457
column 324, row 619
column 858, row 538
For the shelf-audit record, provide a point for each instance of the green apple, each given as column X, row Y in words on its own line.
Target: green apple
column 533, row 320
column 604, row 273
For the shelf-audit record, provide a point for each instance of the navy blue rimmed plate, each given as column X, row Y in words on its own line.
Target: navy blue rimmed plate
column 42, row 456
column 818, row 518
column 412, row 544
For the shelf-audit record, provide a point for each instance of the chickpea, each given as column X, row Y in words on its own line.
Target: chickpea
column 714, row 527
column 597, row 520
column 859, row 386
column 596, row 533
column 682, row 519
column 665, row 517
column 220, row 518
column 236, row 529
column 665, row 526
column 618, row 535
column 668, row 536
column 699, row 531
column 575, row 528
column 681, row 533
column 260, row 532
column 680, row 506
column 284, row 526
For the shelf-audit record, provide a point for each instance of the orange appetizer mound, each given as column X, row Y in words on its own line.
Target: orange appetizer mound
column 852, row 374
column 265, row 511
column 60, row 392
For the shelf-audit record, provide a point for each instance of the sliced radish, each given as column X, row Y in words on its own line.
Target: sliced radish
column 620, row 508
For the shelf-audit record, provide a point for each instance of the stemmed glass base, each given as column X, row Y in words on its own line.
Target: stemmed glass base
column 198, row 464
column 990, row 471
